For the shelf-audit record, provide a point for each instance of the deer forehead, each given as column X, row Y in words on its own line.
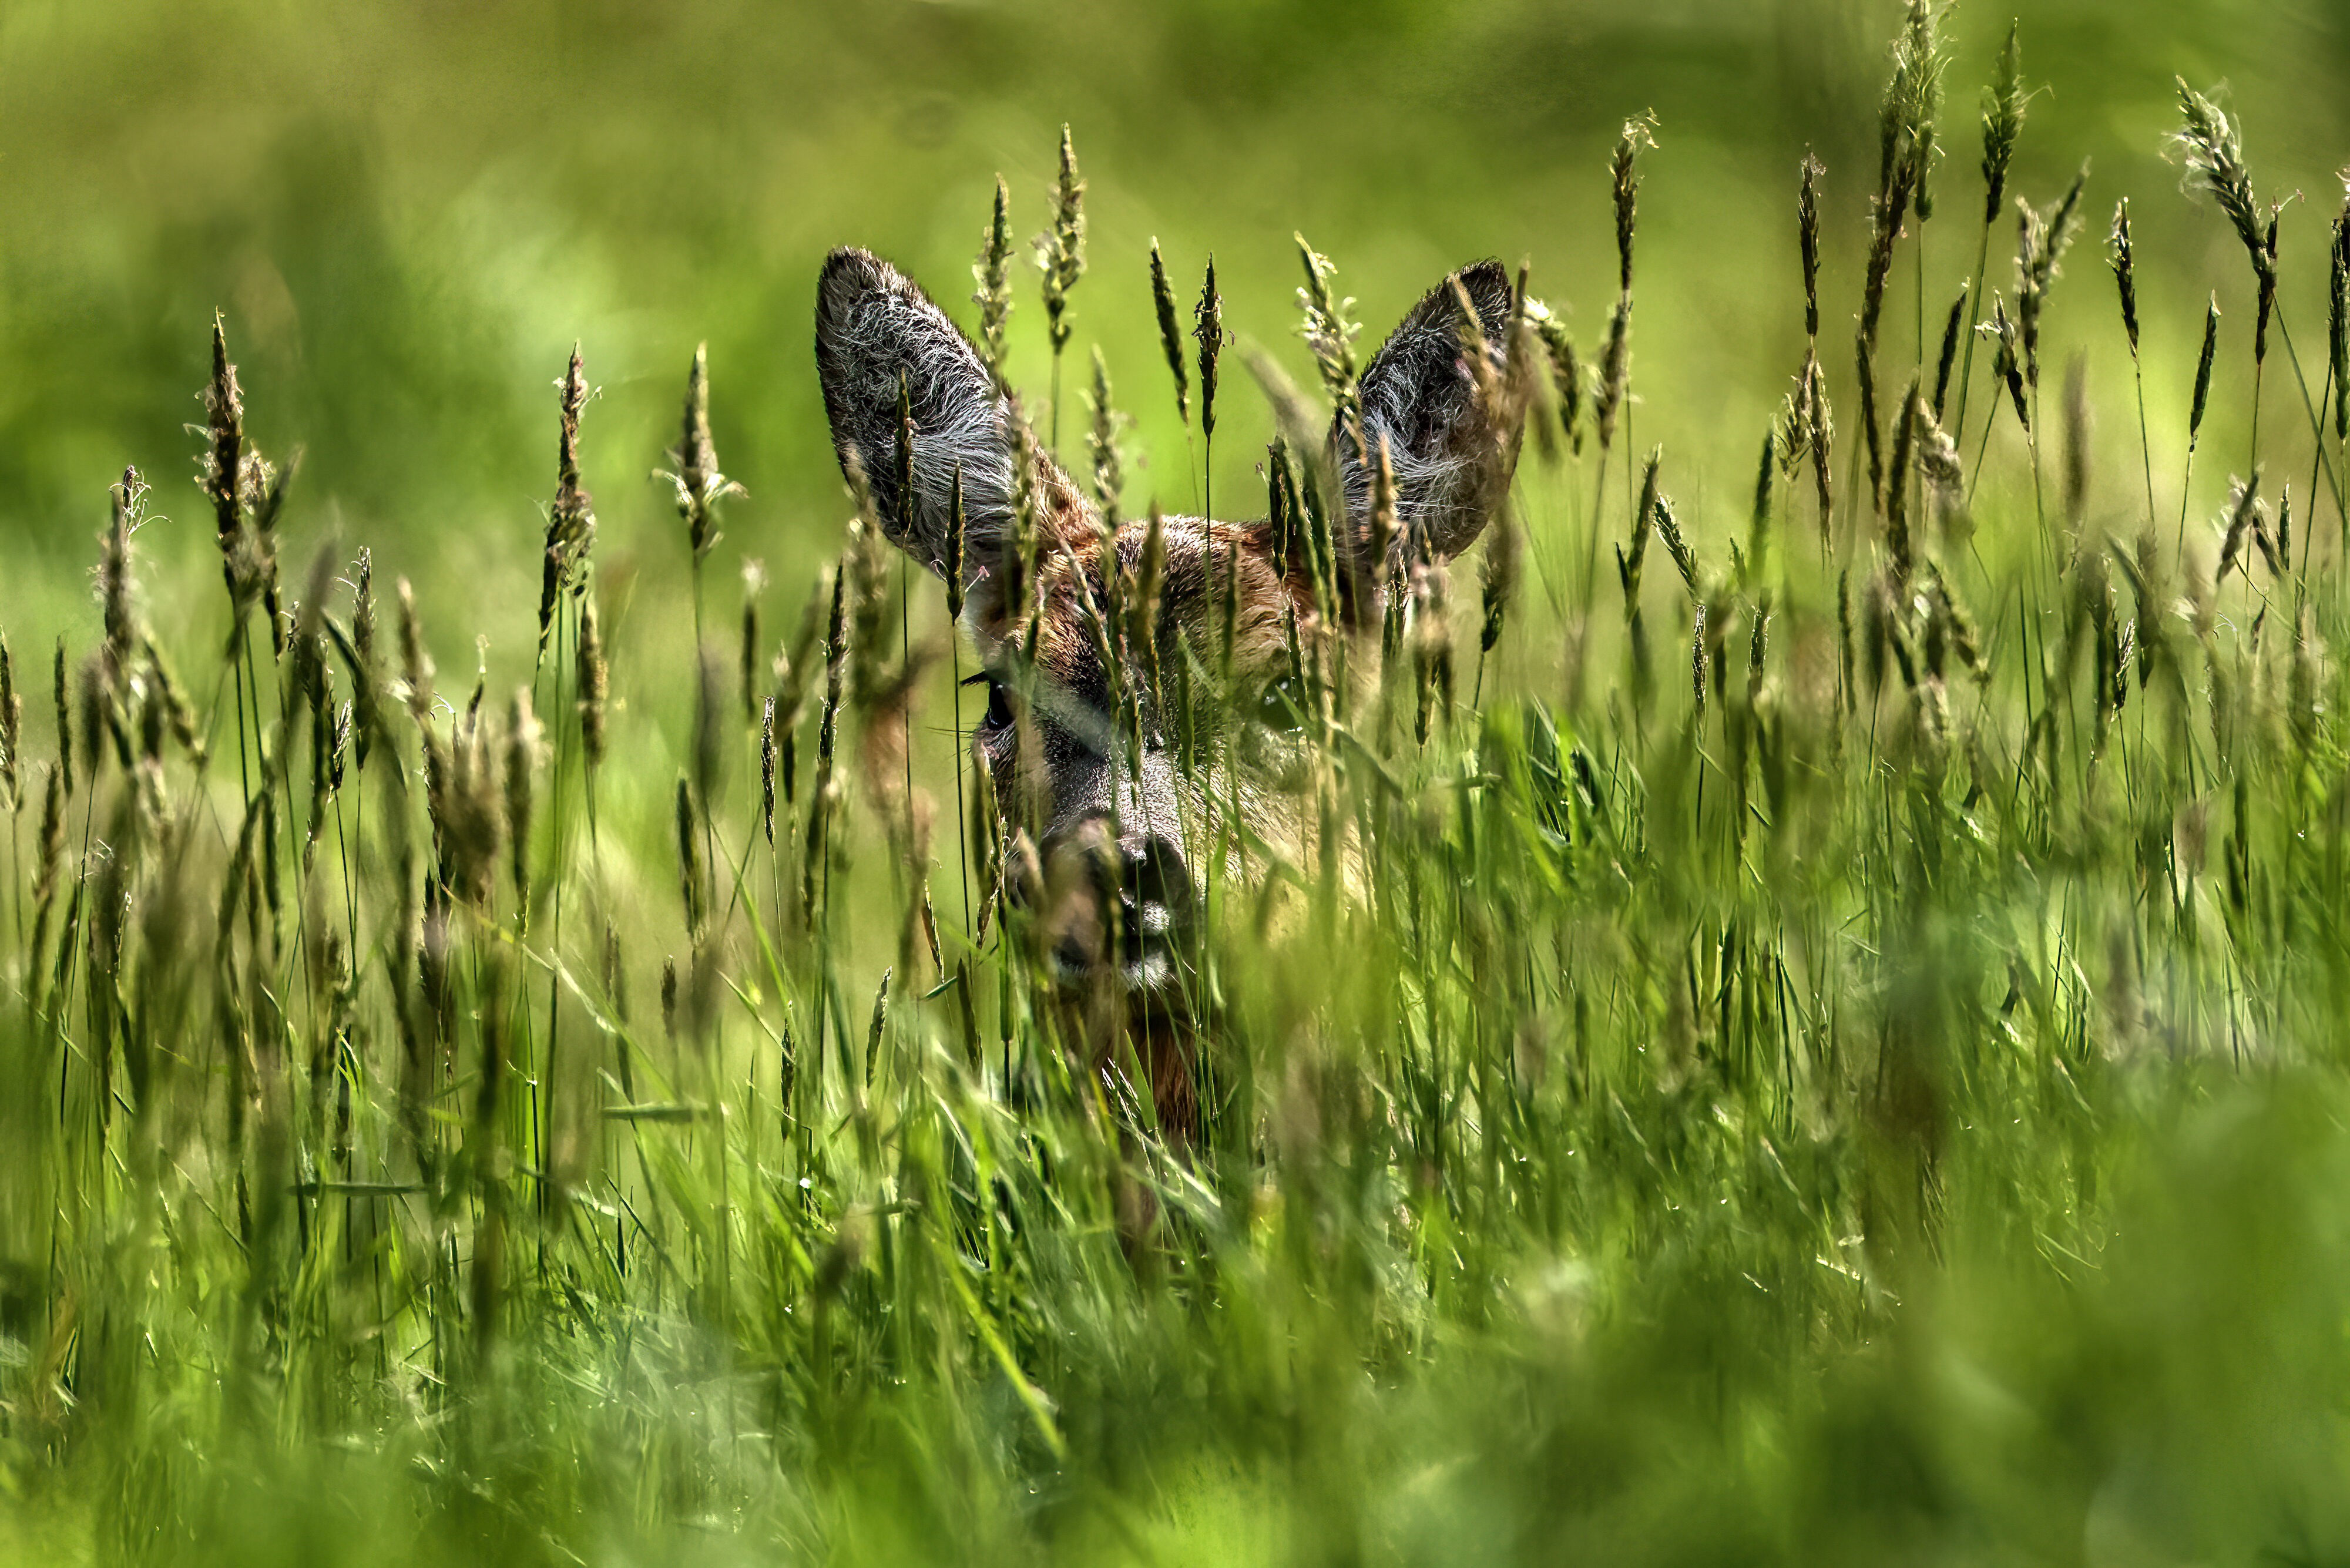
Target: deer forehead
column 1199, row 563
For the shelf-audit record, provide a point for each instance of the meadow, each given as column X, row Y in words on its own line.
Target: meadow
column 519, row 1046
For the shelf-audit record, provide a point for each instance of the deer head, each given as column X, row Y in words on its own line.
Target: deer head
column 1141, row 675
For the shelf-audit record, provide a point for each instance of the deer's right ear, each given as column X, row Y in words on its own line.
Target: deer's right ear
column 874, row 330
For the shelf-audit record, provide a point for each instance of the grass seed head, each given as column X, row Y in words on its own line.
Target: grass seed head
column 1864, row 370
column 957, row 533
column 223, row 465
column 684, row 820
column 1565, row 374
column 117, row 570
column 2338, row 317
column 1698, row 649
column 767, row 772
column 1937, row 454
column 1499, row 575
column 1896, row 483
column 2003, row 121
column 2007, row 357
column 59, row 692
column 1331, row 337
column 2077, row 433
column 2213, row 149
column 2203, row 372
column 1684, row 558
column 12, row 733
column 1624, row 176
column 2267, row 305
column 94, row 697
column 415, row 663
column 1885, row 213
column 53, row 836
column 2242, row 495
column 1142, row 595
column 592, row 679
column 693, row 463
column 1914, row 98
column 1615, row 371
column 709, row 747
column 1807, row 237
column 992, row 273
column 1758, row 527
column 754, row 583
column 2118, row 252
column 1170, row 336
column 1208, row 332
column 523, row 745
column 571, row 517
column 1821, row 440
column 1061, row 250
column 1384, row 522
column 1952, row 327
column 1101, row 444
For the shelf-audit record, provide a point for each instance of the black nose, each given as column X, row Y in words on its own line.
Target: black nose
column 1154, row 893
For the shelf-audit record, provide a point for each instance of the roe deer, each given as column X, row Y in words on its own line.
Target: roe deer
column 1110, row 778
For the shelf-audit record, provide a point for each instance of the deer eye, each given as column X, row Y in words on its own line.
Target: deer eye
column 1281, row 705
column 998, row 705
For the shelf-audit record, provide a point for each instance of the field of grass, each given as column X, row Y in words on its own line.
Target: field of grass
column 1829, row 1047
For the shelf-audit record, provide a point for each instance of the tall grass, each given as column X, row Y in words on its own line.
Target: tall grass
column 1881, row 1095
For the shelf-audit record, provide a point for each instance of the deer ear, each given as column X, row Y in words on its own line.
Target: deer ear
column 1451, row 459
column 876, row 331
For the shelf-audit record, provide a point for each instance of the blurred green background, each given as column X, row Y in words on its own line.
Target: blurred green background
column 408, row 212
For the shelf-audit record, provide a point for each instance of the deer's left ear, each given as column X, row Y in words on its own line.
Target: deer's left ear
column 1451, row 456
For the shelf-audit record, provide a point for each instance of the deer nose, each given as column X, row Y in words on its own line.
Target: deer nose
column 1154, row 892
